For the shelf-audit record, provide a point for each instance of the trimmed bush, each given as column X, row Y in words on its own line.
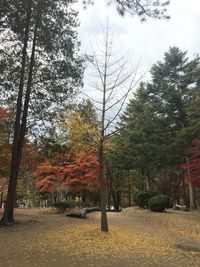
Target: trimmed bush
column 62, row 206
column 142, row 198
column 159, row 203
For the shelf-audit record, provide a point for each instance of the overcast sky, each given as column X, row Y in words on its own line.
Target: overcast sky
column 148, row 40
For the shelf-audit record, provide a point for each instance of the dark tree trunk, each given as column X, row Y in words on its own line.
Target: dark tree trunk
column 28, row 91
column 114, row 199
column 20, row 133
column 14, row 169
column 118, row 200
column 104, row 221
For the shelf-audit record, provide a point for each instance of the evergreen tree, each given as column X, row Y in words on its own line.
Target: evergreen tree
column 47, row 29
column 161, row 121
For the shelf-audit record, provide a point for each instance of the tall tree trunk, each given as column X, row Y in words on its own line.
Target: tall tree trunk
column 11, row 195
column 28, row 90
column 118, row 200
column 104, row 220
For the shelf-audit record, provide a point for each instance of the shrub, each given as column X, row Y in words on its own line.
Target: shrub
column 62, row 206
column 135, row 199
column 159, row 203
column 142, row 198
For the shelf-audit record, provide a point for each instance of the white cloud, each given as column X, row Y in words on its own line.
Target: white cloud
column 151, row 39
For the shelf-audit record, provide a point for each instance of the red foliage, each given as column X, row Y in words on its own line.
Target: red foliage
column 78, row 173
column 193, row 164
column 49, row 177
column 83, row 172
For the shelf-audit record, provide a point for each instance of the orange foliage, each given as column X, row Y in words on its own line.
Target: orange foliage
column 75, row 174
column 83, row 172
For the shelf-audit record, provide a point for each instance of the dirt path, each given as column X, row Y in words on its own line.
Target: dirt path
column 136, row 238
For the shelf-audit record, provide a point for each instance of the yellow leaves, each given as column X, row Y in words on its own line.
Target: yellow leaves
column 80, row 132
column 118, row 242
column 61, row 241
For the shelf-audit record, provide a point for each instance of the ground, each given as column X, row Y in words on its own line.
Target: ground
column 136, row 238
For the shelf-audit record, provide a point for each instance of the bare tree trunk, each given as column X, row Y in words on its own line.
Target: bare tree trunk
column 11, row 196
column 104, row 220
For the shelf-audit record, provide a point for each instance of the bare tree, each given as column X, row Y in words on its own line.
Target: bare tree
column 114, row 80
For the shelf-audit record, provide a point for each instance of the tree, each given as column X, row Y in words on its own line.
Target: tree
column 49, row 178
column 76, row 173
column 82, row 173
column 55, row 22
column 79, row 127
column 113, row 76
column 160, row 122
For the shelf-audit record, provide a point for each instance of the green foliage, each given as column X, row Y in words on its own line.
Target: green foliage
column 160, row 122
column 142, row 198
column 58, row 68
column 159, row 203
column 62, row 206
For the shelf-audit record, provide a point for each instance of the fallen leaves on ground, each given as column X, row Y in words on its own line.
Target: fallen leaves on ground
column 88, row 241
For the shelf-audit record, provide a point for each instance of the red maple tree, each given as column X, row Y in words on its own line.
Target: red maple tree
column 83, row 172
column 75, row 174
column 49, row 177
column 193, row 164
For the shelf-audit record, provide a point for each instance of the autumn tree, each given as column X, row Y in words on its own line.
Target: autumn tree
column 112, row 76
column 82, row 173
column 77, row 173
column 79, row 127
column 42, row 23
